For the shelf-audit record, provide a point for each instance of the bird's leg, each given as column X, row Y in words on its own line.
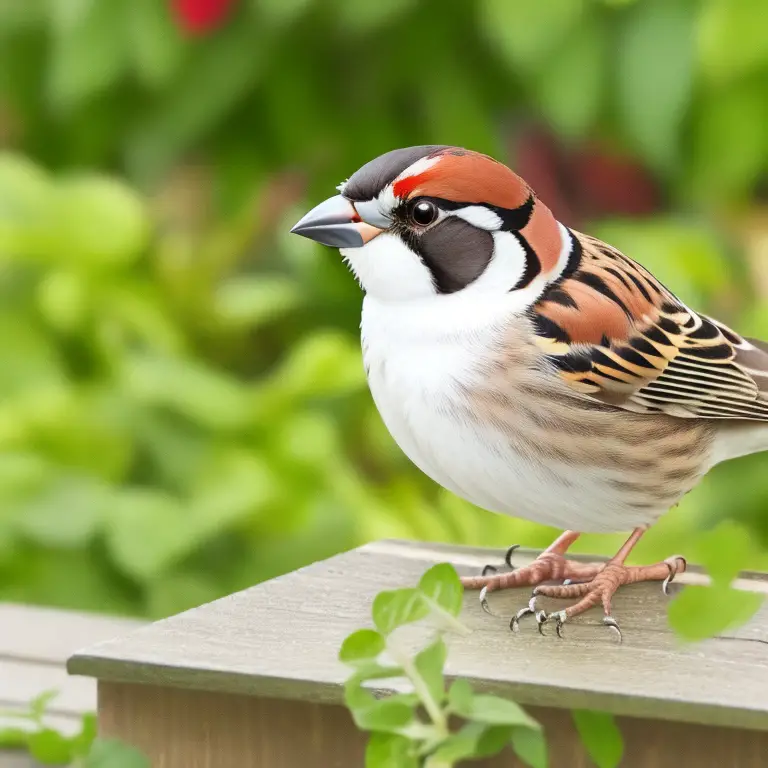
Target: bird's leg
column 604, row 585
column 549, row 565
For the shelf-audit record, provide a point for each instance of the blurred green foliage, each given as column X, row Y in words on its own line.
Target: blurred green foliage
column 183, row 410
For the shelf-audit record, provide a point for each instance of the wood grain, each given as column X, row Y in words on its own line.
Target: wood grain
column 280, row 640
column 198, row 729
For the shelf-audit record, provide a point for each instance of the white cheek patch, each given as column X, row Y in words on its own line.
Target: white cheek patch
column 479, row 216
column 389, row 270
column 505, row 271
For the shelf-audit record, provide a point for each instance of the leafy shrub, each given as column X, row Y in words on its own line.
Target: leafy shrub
column 182, row 405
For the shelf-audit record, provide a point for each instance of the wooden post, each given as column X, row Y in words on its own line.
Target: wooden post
column 253, row 680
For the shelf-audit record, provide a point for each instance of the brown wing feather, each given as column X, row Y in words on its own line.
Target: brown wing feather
column 614, row 333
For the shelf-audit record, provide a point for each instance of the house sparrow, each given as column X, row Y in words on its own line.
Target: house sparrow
column 533, row 370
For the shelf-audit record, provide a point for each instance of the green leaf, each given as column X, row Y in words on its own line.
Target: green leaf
column 390, row 714
column 361, row 647
column 13, row 737
column 724, row 550
column 372, row 670
column 570, row 85
column 156, row 42
column 279, row 13
column 49, row 747
column 442, row 588
column 474, row 740
column 82, row 743
column 389, row 750
column 361, row 18
column 207, row 396
column 460, row 696
column 235, row 484
column 67, row 512
column 429, row 664
column 111, row 753
column 600, row 736
column 24, row 192
column 698, row 613
column 96, row 220
column 394, row 608
column 90, row 49
column 526, row 33
column 733, row 117
column 654, row 76
column 177, row 591
column 530, row 746
column 732, row 38
column 218, row 76
column 146, row 532
column 63, row 300
column 492, row 710
column 254, row 301
column 39, row 705
column 324, row 363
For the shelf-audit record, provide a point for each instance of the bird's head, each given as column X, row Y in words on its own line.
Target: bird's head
column 435, row 220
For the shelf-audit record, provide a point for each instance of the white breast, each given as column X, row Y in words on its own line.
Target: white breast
column 420, row 360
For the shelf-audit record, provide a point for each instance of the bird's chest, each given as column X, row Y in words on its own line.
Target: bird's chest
column 420, row 380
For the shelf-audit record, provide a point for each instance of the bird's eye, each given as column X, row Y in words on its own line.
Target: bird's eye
column 423, row 213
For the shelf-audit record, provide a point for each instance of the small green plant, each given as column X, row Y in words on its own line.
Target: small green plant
column 429, row 725
column 49, row 747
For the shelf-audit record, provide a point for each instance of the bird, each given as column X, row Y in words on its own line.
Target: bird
column 534, row 370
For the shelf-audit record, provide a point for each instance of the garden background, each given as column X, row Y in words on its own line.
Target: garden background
column 183, row 409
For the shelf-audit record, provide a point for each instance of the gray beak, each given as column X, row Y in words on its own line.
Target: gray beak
column 335, row 222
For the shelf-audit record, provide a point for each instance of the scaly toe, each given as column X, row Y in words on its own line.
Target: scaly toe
column 609, row 621
column 541, row 620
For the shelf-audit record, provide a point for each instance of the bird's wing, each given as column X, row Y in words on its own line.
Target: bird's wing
column 615, row 334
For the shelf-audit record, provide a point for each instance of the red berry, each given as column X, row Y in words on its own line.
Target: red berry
column 200, row 16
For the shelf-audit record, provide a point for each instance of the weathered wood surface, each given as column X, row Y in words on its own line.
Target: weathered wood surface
column 35, row 644
column 280, row 640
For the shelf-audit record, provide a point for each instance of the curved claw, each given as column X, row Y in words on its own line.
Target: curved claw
column 560, row 618
column 508, row 556
column 541, row 619
column 507, row 559
column 673, row 571
column 484, row 601
column 609, row 621
column 514, row 624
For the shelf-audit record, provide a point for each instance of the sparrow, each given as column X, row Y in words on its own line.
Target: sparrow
column 534, row 370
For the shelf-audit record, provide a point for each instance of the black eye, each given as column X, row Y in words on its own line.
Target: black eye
column 423, row 213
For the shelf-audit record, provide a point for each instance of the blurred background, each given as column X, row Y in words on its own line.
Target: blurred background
column 183, row 409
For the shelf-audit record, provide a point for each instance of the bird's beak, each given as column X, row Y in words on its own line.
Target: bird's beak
column 336, row 222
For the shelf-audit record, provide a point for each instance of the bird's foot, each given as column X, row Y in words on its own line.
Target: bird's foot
column 599, row 589
column 549, row 566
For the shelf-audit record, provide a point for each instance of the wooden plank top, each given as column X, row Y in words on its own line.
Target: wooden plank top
column 281, row 639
